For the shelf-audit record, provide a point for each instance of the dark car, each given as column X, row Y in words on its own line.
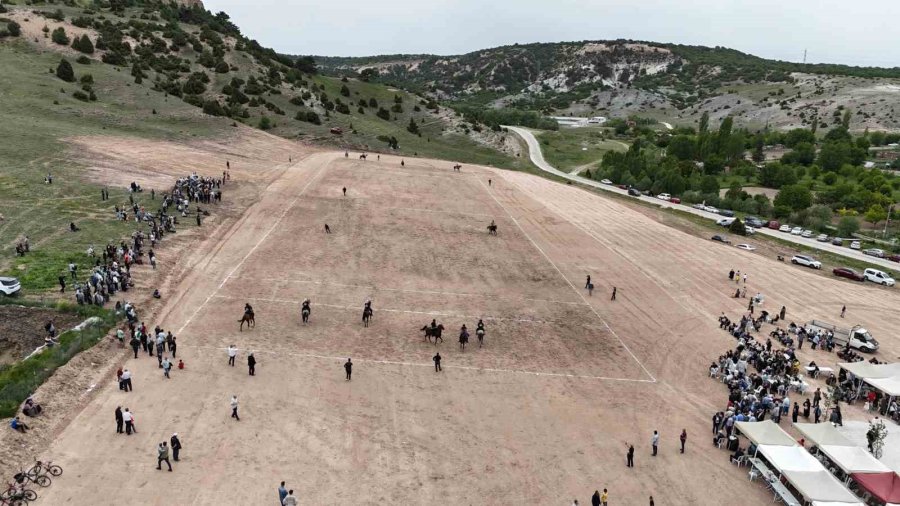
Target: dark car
column 727, row 213
column 675, row 200
column 893, row 257
column 837, row 241
column 754, row 222
column 721, row 238
column 844, row 272
column 634, row 192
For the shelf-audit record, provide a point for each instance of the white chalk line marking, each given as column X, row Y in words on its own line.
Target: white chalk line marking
column 593, row 310
column 252, row 250
column 406, row 311
column 410, row 290
column 342, row 358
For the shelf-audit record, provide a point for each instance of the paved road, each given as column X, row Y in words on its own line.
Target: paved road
column 534, row 151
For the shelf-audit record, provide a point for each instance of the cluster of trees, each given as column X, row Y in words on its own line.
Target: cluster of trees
column 493, row 118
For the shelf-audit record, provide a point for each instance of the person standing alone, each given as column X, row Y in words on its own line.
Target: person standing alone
column 234, row 408
column 175, row 445
column 119, row 420
column 232, row 352
column 629, row 458
column 251, row 364
column 437, row 362
column 683, row 439
column 655, row 442
column 348, row 368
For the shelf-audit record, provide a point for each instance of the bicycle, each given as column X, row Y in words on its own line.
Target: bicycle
column 41, row 479
column 44, row 468
column 15, row 494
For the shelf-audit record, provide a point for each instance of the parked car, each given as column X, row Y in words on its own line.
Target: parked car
column 664, row 196
column 874, row 252
column 822, row 238
column 855, row 245
column 606, row 181
column 845, row 272
column 711, row 209
column 721, row 238
column 675, row 200
column 753, row 221
column 785, row 228
column 876, row 276
column 699, row 206
column 893, row 257
column 806, row 261
column 726, row 212
column 807, row 234
column 725, row 222
column 749, row 230
column 621, row 186
column 634, row 192
column 796, row 231
column 746, row 247
column 774, row 225
column 837, row 241
column 337, row 130
column 9, row 286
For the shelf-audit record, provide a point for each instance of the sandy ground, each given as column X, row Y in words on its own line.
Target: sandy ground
column 540, row 415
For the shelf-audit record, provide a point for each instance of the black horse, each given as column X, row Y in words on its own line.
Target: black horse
column 492, row 228
column 434, row 330
column 304, row 311
column 367, row 315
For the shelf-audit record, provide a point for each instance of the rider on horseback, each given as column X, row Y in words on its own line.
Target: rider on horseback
column 248, row 310
column 479, row 331
column 305, row 306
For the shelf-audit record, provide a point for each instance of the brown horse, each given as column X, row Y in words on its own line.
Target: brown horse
column 249, row 319
column 492, row 229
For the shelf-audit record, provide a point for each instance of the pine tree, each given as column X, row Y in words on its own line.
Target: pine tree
column 64, row 71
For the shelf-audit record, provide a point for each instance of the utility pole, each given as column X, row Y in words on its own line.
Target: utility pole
column 887, row 221
column 804, row 57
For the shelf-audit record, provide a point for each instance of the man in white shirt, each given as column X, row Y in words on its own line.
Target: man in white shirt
column 126, row 380
column 128, row 418
column 655, row 442
column 234, row 407
column 290, row 500
column 232, row 352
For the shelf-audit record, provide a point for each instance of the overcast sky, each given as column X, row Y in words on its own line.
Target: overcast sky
column 861, row 32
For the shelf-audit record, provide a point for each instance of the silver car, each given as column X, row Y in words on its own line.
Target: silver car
column 9, row 286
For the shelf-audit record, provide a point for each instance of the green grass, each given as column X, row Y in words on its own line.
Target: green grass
column 19, row 380
column 569, row 148
column 33, row 128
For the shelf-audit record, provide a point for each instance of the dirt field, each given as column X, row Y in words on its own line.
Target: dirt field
column 540, row 415
column 22, row 329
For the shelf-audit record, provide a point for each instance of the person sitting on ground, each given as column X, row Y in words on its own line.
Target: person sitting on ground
column 156, row 294
column 73, row 227
column 31, row 408
column 18, row 425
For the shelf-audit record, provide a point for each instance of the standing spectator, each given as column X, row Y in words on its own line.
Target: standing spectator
column 595, row 499
column 604, row 498
column 62, row 284
column 167, row 366
column 587, row 283
column 135, row 344
column 251, row 363
column 232, row 352
column 613, row 294
column 73, row 270
column 348, row 368
column 629, row 458
column 282, row 493
column 783, row 312
column 175, row 444
column 234, row 408
column 290, row 500
column 683, row 439
column 843, row 311
column 162, row 455
column 119, row 420
column 170, row 340
column 126, row 379
column 655, row 442
column 129, row 422
column 437, row 362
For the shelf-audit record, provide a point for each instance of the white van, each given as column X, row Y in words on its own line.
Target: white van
column 876, row 276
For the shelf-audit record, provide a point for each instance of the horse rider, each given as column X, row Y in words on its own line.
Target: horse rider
column 463, row 337
column 248, row 309
column 479, row 331
column 433, row 324
column 306, row 306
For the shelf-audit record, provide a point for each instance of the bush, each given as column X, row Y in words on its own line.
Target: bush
column 83, row 44
column 59, row 36
column 265, row 123
column 80, row 95
column 87, row 79
column 13, row 29
column 222, row 68
column 213, row 108
column 412, row 128
column 397, row 108
column 84, row 60
column 345, row 91
column 737, row 227
column 64, row 71
column 383, row 114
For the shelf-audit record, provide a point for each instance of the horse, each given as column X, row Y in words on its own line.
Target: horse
column 367, row 315
column 463, row 338
column 363, row 156
column 248, row 319
column 304, row 313
column 492, row 229
column 480, row 333
column 457, row 167
column 434, row 332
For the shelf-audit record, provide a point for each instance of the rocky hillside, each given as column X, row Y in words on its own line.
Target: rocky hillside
column 180, row 51
column 672, row 83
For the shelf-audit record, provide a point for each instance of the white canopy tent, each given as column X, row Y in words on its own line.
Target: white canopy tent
column 853, row 459
column 820, row 434
column 765, row 433
column 865, row 370
column 890, row 386
column 790, row 458
column 820, row 486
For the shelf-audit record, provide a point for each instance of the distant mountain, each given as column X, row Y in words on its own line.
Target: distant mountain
column 624, row 77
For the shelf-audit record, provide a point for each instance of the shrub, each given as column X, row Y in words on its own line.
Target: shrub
column 84, row 60
column 737, row 227
column 397, row 108
column 80, row 95
column 412, row 128
column 87, row 79
column 373, row 103
column 342, row 108
column 222, row 68
column 59, row 36
column 265, row 123
column 13, row 29
column 383, row 114
column 83, row 44
column 64, row 71
column 213, row 108
column 297, row 101
column 345, row 91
